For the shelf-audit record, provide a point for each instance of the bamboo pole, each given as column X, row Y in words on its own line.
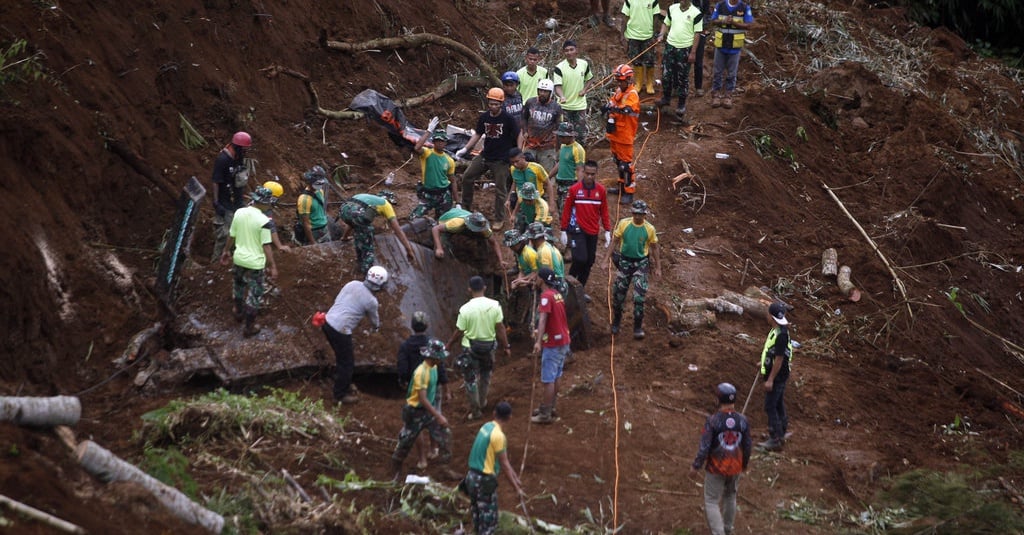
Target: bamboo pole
column 36, row 514
column 108, row 467
column 899, row 283
column 829, row 261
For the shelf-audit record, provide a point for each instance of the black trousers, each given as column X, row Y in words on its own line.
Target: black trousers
column 344, row 360
column 584, row 251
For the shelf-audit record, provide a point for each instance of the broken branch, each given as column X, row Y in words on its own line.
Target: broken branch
column 41, row 516
column 416, row 40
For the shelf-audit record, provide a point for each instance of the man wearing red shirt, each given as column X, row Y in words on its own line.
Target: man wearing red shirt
column 551, row 342
column 584, row 215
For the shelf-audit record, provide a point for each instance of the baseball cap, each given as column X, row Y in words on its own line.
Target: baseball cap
column 547, row 275
column 778, row 313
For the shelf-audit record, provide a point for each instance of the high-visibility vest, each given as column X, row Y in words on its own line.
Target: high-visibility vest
column 769, row 342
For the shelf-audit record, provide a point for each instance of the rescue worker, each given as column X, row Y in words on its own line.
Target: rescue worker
column 635, row 242
column 623, row 111
column 248, row 249
column 230, row 179
column 359, row 212
column 312, row 225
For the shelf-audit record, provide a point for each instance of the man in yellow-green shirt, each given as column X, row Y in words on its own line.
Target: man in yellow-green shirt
column 488, row 457
column 478, row 329
column 635, row 242
column 571, row 77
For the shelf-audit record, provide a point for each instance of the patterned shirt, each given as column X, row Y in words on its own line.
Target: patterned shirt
column 725, row 444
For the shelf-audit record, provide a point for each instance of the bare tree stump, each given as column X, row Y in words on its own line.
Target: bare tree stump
column 108, row 467
column 829, row 261
column 845, row 286
column 41, row 412
column 693, row 321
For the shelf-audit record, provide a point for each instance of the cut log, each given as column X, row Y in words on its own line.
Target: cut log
column 41, row 412
column 417, row 40
column 108, row 467
column 710, row 303
column 693, row 321
column 755, row 306
column 36, row 514
column 843, row 280
column 829, row 261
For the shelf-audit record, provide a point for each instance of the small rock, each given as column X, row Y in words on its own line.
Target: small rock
column 859, row 123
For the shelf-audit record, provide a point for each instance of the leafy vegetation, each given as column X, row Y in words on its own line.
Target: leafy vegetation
column 999, row 22
column 170, row 466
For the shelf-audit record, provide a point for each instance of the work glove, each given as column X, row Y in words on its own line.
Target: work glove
column 433, row 124
column 606, row 108
column 461, row 153
column 607, row 239
column 563, row 238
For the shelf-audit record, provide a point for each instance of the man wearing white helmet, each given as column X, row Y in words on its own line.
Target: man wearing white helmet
column 541, row 116
column 230, row 179
column 354, row 301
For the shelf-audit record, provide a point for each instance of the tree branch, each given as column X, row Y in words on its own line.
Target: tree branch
column 415, row 40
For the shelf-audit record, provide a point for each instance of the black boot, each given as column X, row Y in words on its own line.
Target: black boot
column 616, row 322
column 251, row 327
column 238, row 311
column 638, row 327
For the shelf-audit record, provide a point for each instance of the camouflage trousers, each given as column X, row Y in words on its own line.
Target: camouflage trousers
column 483, row 501
column 561, row 190
column 634, row 47
column 675, row 81
column 438, row 200
column 248, row 288
column 578, row 120
column 476, row 368
column 632, row 272
column 359, row 217
column 414, row 421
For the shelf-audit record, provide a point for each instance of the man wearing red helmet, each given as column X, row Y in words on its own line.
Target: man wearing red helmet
column 623, row 120
column 230, row 178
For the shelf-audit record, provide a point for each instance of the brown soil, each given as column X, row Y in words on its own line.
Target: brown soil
column 916, row 163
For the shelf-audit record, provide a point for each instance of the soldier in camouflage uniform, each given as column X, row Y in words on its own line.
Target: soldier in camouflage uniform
column 488, row 457
column 359, row 212
column 436, row 190
column 568, row 167
column 635, row 246
column 420, row 410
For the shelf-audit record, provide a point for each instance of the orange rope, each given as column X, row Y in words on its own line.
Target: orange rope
column 611, row 356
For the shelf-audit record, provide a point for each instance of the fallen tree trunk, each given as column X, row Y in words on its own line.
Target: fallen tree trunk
column 36, row 514
column 41, row 412
column 416, row 40
column 108, row 467
column 755, row 306
column 843, row 281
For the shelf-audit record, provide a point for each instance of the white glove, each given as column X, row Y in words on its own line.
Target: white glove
column 433, row 124
column 461, row 152
column 563, row 238
column 607, row 239
column 458, row 206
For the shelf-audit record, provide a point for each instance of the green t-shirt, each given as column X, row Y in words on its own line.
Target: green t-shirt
column 640, row 25
column 681, row 25
column 636, row 239
column 478, row 318
column 569, row 158
column 489, row 443
column 250, row 230
column 314, row 208
column 572, row 81
column 528, row 82
column 436, row 168
column 424, row 378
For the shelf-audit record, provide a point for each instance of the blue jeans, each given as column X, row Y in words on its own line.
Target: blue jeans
column 727, row 65
column 552, row 359
column 776, row 410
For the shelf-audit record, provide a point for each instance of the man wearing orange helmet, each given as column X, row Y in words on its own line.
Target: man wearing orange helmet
column 501, row 133
column 230, row 178
column 623, row 111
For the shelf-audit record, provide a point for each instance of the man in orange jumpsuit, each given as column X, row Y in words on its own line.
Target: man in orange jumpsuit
column 623, row 111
